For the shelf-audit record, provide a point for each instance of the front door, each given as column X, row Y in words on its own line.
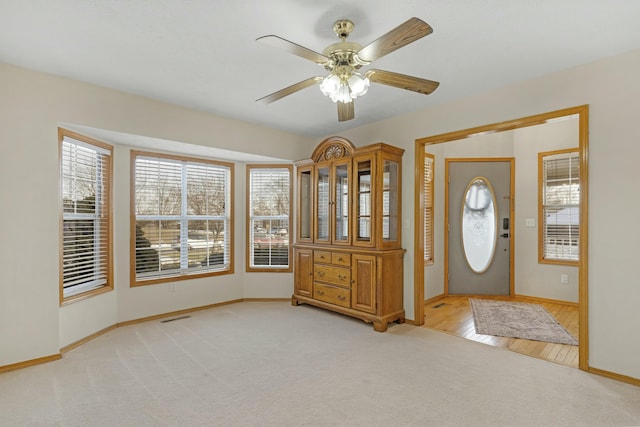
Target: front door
column 479, row 227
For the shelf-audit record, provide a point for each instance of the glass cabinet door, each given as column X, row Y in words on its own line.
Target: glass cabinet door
column 351, row 197
column 305, row 198
column 341, row 203
column 363, row 201
column 390, row 200
column 322, row 203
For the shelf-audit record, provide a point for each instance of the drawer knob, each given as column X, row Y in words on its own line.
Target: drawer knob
column 342, row 297
column 321, row 273
column 340, row 259
column 320, row 292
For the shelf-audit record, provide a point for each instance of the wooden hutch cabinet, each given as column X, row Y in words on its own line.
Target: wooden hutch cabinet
column 348, row 254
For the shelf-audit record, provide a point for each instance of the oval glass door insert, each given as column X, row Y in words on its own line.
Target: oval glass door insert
column 479, row 224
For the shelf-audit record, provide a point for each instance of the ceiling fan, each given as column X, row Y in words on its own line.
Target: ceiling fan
column 343, row 60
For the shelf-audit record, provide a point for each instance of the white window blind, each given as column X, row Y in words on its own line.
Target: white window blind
column 182, row 217
column 428, row 207
column 269, row 217
column 560, row 206
column 85, row 170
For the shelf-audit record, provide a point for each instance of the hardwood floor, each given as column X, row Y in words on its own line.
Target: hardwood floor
column 453, row 315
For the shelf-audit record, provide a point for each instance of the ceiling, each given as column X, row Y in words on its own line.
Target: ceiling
column 203, row 54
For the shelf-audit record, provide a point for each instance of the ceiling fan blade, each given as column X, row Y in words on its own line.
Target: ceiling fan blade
column 289, row 90
column 345, row 111
column 402, row 81
column 402, row 35
column 293, row 48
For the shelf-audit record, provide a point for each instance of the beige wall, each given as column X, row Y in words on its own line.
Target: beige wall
column 612, row 90
column 33, row 104
column 532, row 278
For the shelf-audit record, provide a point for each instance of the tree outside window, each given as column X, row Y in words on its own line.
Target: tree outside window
column 182, row 210
column 85, row 184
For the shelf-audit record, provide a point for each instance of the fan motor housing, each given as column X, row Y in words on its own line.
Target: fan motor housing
column 343, row 53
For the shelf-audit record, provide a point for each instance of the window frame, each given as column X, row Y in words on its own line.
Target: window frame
column 428, row 207
column 250, row 219
column 542, row 237
column 181, row 273
column 106, row 182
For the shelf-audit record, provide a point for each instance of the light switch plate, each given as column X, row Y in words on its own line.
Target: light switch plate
column 530, row 222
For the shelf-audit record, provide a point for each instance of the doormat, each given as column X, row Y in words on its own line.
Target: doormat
column 518, row 320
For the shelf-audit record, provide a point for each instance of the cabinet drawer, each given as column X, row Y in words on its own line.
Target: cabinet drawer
column 339, row 276
column 340, row 259
column 322, row 256
column 332, row 294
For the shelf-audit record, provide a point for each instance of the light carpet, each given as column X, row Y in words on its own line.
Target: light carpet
column 518, row 320
column 271, row 364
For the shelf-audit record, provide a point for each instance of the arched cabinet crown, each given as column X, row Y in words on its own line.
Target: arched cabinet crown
column 333, row 148
column 348, row 251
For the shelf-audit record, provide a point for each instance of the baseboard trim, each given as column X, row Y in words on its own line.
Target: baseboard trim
column 266, row 300
column 28, row 363
column 511, row 297
column 87, row 339
column 548, row 300
column 434, row 299
column 200, row 308
column 614, row 376
column 178, row 312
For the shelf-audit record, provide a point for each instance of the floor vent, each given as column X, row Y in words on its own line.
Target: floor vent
column 175, row 318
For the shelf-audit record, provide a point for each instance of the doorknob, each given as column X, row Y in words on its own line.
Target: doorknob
column 504, row 235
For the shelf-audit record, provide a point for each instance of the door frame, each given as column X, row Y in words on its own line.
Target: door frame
column 512, row 185
column 582, row 112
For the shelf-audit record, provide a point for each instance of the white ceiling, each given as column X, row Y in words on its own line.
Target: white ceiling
column 202, row 54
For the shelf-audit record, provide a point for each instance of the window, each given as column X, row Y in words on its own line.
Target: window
column 268, row 216
column 85, row 187
column 428, row 208
column 182, row 210
column 559, row 206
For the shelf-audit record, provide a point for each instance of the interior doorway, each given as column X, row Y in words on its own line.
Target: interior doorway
column 581, row 114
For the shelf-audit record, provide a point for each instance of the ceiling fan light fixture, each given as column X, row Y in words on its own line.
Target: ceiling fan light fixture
column 358, row 84
column 335, row 88
column 330, row 84
column 343, row 94
column 344, row 89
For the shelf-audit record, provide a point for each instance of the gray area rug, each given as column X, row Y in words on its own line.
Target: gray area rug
column 518, row 320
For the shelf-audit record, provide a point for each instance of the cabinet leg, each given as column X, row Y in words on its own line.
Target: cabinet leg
column 400, row 320
column 380, row 326
column 294, row 301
